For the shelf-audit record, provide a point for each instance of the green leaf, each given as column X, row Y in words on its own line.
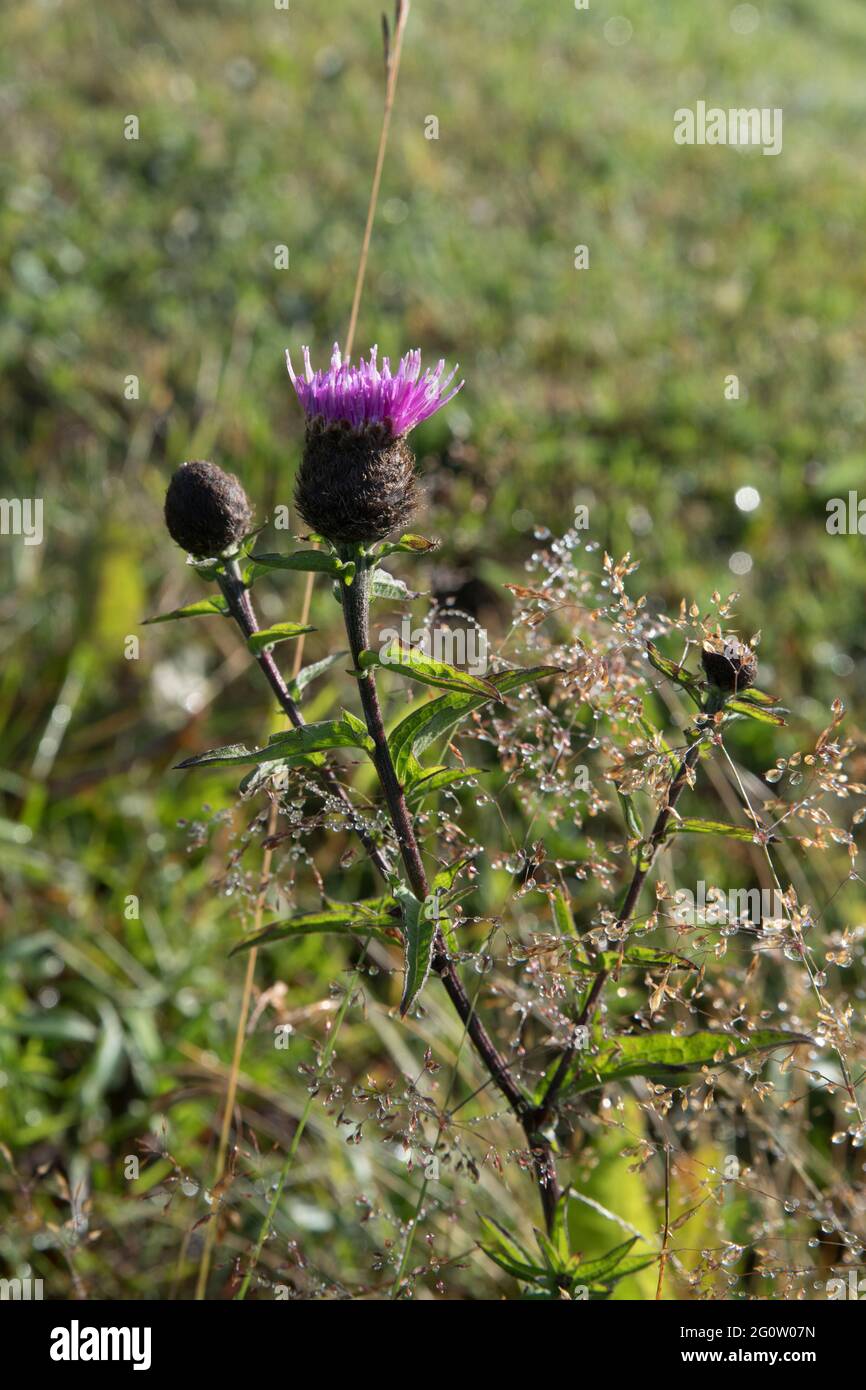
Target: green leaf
column 599, row 1270
column 411, row 662
column 317, row 561
column 418, row 545
column 311, row 738
column 435, row 779
column 435, row 718
column 443, row 884
column 375, row 917
column 632, row 1264
column 385, row 585
column 298, row 685
column 445, row 879
column 106, row 1060
column 690, row 825
column 758, row 697
column 359, row 729
column 635, row 829
column 203, row 608
column 419, row 931
column 674, row 672
column 743, row 705
column 642, row 958
column 270, row 636
column 505, row 1251
column 664, row 1057
column 559, row 1229
column 62, row 1025
column 207, row 569
column 261, row 774
column 672, row 669
column 551, row 1255
column 562, row 918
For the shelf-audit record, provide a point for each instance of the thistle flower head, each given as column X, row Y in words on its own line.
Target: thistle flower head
column 729, row 664
column 206, row 509
column 356, row 482
column 366, row 394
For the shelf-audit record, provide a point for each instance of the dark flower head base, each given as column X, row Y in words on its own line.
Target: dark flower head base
column 356, row 482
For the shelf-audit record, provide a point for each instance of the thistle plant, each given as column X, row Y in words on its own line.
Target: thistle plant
column 357, row 483
column 615, row 999
column 358, row 421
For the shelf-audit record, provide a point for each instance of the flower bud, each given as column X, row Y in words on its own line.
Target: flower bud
column 730, row 665
column 206, row 510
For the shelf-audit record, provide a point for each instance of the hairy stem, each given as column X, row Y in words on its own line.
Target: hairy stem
column 356, row 607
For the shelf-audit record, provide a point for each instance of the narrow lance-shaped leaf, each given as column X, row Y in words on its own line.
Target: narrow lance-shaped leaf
column 261, row 774
column 598, row 1270
column 435, row 779
column 641, row 958
column 635, row 829
column 377, row 917
column 754, row 696
column 419, row 931
column 665, row 1056
column 632, row 1264
column 443, row 883
column 672, row 669
column 419, row 545
column 505, row 1251
column 330, row 733
column 317, row 561
column 559, row 1233
column 550, row 1253
column 764, row 715
column 562, row 917
column 691, row 825
column 447, row 877
column 281, row 632
column 307, row 674
column 414, row 663
column 202, row 608
column 435, row 718
column 359, row 729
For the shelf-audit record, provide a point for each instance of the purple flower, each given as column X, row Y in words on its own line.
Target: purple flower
column 365, row 395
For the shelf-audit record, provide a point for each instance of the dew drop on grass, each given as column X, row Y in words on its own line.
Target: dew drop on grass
column 731, row 1254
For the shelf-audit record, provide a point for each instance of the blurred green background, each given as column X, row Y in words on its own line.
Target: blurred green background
column 154, row 258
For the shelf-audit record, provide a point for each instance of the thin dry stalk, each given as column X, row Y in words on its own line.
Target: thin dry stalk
column 392, row 68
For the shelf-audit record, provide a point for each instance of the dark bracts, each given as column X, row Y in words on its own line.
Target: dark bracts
column 356, row 484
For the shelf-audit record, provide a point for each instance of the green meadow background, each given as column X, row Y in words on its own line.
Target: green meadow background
column 154, row 258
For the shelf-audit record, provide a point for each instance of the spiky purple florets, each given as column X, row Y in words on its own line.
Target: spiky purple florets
column 365, row 394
